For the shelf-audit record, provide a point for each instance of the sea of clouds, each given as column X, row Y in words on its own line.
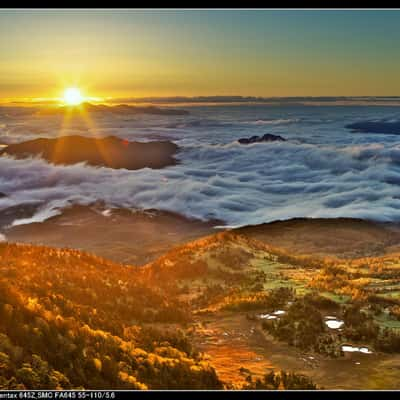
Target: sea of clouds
column 322, row 170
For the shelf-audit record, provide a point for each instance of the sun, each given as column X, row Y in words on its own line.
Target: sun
column 73, row 96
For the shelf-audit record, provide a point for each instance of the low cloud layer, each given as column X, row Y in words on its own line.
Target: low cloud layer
column 321, row 171
column 288, row 180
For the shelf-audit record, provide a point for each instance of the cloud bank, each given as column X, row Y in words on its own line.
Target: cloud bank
column 224, row 182
column 322, row 170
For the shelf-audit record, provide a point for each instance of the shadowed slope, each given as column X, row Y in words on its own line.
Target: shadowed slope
column 121, row 235
column 341, row 237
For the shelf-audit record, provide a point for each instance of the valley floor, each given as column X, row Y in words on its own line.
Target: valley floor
column 235, row 345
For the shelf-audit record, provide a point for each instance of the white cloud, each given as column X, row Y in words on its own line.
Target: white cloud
column 237, row 184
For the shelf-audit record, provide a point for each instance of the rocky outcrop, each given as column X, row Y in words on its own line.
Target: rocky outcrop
column 268, row 137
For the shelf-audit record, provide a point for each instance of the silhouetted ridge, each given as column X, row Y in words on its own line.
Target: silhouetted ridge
column 392, row 127
column 111, row 151
column 123, row 109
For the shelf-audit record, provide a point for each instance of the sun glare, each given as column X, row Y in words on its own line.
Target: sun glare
column 73, row 96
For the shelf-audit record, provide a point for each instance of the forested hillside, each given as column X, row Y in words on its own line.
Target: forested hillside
column 72, row 320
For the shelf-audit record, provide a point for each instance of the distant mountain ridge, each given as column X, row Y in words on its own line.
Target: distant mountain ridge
column 120, row 109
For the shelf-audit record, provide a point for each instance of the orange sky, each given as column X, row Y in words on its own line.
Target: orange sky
column 135, row 53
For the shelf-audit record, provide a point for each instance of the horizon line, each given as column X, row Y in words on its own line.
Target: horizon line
column 200, row 98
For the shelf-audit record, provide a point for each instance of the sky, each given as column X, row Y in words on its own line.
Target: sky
column 139, row 53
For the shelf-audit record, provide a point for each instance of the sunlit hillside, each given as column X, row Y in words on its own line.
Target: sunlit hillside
column 256, row 307
column 224, row 311
column 71, row 320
